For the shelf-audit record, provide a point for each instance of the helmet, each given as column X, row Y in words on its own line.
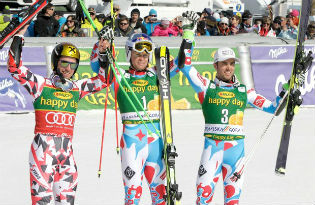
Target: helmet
column 139, row 42
column 64, row 49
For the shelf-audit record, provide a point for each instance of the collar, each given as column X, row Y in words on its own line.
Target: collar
column 233, row 83
column 134, row 72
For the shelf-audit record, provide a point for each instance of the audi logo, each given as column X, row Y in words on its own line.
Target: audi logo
column 60, row 118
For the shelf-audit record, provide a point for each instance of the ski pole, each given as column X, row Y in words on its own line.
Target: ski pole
column 244, row 162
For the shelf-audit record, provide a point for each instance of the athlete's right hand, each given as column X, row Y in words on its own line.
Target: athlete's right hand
column 107, row 33
column 190, row 20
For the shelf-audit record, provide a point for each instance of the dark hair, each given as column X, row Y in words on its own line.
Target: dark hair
column 123, row 18
column 49, row 5
column 76, row 23
column 135, row 11
column 246, row 15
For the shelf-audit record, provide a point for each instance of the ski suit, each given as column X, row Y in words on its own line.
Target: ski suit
column 141, row 153
column 223, row 105
column 53, row 171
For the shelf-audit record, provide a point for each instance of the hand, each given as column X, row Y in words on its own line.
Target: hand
column 190, row 20
column 107, row 33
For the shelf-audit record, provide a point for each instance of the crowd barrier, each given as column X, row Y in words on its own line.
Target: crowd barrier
column 263, row 67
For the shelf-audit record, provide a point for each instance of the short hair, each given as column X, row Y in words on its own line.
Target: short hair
column 123, row 18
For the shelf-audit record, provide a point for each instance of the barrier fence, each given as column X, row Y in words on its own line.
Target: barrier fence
column 266, row 68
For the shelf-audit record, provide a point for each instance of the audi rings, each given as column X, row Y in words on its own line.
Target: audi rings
column 60, row 118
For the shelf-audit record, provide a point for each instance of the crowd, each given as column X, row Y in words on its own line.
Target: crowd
column 51, row 23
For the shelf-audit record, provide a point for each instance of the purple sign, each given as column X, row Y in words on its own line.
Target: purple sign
column 272, row 66
column 13, row 96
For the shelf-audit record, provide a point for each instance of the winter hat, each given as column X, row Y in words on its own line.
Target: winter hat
column 207, row 11
column 135, row 11
column 152, row 12
column 165, row 21
column 223, row 54
column 217, row 16
column 224, row 20
column 294, row 13
column 91, row 10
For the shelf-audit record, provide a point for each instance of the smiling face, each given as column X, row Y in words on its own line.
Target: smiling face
column 225, row 69
column 64, row 66
column 140, row 61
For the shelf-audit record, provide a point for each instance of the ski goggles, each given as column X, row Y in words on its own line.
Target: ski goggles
column 65, row 64
column 142, row 46
column 57, row 82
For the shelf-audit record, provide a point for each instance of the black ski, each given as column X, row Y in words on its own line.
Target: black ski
column 21, row 20
column 172, row 196
column 300, row 66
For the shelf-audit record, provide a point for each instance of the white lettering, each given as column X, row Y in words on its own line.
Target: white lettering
column 274, row 53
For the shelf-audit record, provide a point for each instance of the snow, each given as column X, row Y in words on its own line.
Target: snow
column 261, row 186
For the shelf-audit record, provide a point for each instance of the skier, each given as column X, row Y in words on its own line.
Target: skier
column 141, row 152
column 53, row 171
column 223, row 102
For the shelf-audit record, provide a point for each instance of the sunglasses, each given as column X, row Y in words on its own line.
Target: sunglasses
column 224, row 24
column 65, row 64
column 52, row 9
column 123, row 24
column 71, row 21
column 153, row 15
column 142, row 46
column 67, row 86
column 115, row 9
column 92, row 14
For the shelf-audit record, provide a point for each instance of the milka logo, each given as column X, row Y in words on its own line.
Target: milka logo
column 308, row 86
column 4, row 55
column 5, row 84
column 226, row 94
column 274, row 53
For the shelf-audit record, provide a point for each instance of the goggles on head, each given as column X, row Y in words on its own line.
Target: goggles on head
column 67, row 86
column 142, row 46
column 65, row 64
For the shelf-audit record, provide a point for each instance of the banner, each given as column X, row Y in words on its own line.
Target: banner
column 13, row 96
column 183, row 96
column 272, row 67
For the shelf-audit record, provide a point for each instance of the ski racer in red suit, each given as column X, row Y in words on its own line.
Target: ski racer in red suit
column 53, row 171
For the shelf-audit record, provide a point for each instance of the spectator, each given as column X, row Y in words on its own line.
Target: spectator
column 224, row 27
column 310, row 33
column 235, row 24
column 101, row 18
column 212, row 26
column 123, row 29
column 46, row 25
column 87, row 27
column 71, row 28
column 246, row 25
column 108, row 19
column 58, row 15
column 288, row 28
column 206, row 12
column 276, row 25
column 217, row 17
column 201, row 29
column 164, row 29
column 294, row 15
column 5, row 17
column 265, row 28
column 177, row 24
column 150, row 22
column 135, row 22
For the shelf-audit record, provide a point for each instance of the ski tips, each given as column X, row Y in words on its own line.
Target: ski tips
column 117, row 150
column 280, row 171
column 99, row 173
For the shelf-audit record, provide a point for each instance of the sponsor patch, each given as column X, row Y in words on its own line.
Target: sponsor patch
column 63, row 95
column 226, row 94
column 201, row 171
column 140, row 82
column 129, row 173
column 259, row 101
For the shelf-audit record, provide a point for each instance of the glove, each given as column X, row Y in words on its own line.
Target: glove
column 190, row 20
column 189, row 24
column 107, row 33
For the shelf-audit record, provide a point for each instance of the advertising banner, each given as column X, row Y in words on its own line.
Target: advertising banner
column 13, row 96
column 272, row 67
column 183, row 96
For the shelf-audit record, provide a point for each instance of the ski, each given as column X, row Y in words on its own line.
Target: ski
column 301, row 64
column 172, row 196
column 23, row 17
